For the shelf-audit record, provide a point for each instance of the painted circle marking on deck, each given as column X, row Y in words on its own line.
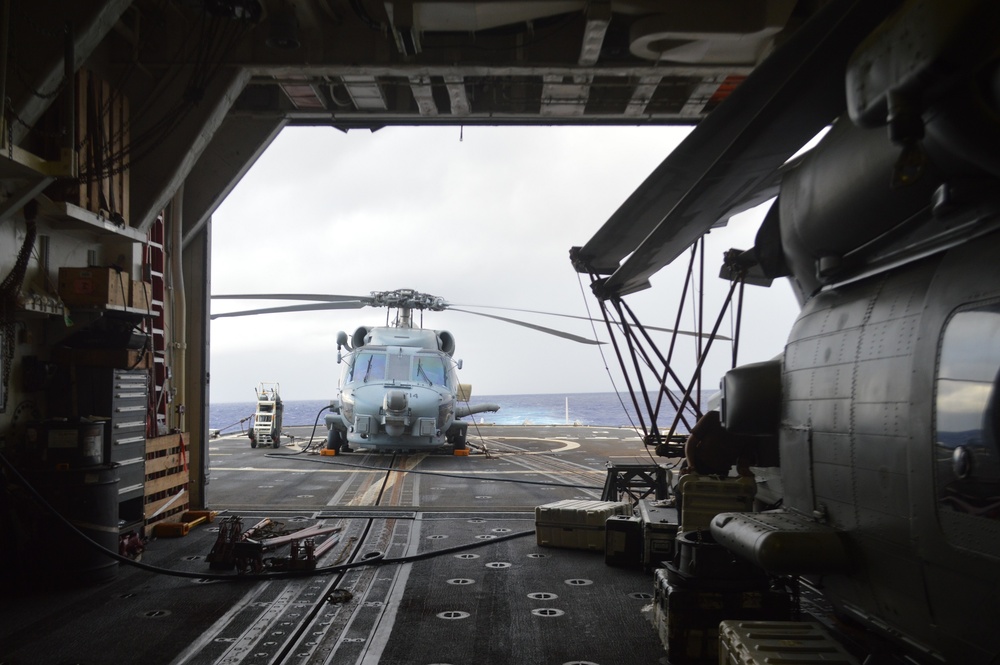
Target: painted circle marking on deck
column 542, row 595
column 477, row 520
column 501, row 529
column 437, row 536
column 641, row 595
column 467, row 556
column 566, row 445
column 156, row 614
column 547, row 612
column 579, row 582
column 453, row 614
column 538, row 555
column 461, row 581
column 498, row 565
column 485, row 536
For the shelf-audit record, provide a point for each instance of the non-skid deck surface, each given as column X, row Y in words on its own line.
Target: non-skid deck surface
column 485, row 597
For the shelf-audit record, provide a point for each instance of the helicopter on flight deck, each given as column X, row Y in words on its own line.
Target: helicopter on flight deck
column 399, row 387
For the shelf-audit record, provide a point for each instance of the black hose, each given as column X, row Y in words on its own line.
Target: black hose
column 439, row 473
column 370, row 559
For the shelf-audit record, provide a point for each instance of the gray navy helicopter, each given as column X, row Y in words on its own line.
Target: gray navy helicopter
column 399, row 388
column 884, row 408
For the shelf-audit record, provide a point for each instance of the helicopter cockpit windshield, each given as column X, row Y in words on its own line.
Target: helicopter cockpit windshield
column 368, row 366
column 430, row 369
column 385, row 366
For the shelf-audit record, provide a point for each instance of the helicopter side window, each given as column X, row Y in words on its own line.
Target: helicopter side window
column 967, row 415
column 429, row 369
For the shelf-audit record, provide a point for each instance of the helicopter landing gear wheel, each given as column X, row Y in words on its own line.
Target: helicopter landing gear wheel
column 336, row 440
column 277, row 441
column 253, row 440
column 459, row 442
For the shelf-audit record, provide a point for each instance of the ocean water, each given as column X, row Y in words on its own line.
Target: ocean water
column 572, row 409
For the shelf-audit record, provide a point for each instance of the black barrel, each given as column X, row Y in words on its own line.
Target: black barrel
column 88, row 499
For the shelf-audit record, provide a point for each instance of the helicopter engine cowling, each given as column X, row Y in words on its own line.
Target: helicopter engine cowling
column 446, row 342
column 360, row 337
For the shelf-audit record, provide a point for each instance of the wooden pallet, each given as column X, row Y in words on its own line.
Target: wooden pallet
column 167, row 496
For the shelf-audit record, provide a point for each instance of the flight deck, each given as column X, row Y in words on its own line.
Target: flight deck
column 448, row 569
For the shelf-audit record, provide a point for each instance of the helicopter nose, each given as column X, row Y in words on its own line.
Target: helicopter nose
column 395, row 405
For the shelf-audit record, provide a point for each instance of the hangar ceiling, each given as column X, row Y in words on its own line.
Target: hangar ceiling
column 183, row 95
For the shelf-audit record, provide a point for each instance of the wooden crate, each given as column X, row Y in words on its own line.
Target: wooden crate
column 167, row 496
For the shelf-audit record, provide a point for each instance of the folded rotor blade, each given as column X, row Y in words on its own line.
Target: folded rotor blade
column 729, row 161
column 550, row 331
column 291, row 308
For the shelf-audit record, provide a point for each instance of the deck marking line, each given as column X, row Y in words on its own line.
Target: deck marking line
column 383, row 627
column 567, row 445
column 213, row 631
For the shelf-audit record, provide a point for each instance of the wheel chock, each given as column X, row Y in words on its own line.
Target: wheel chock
column 329, row 452
column 188, row 521
column 462, row 452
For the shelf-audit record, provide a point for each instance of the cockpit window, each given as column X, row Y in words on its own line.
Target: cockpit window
column 402, row 367
column 398, row 368
column 967, row 458
column 369, row 367
column 429, row 369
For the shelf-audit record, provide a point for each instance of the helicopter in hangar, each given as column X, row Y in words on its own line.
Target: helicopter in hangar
column 398, row 387
column 884, row 408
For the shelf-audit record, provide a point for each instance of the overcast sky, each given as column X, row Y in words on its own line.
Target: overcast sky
column 482, row 216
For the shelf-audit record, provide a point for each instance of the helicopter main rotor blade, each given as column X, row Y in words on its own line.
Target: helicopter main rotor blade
column 319, row 297
column 291, row 308
column 550, row 331
column 587, row 318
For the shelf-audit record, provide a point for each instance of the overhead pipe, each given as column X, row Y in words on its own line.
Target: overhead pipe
column 4, row 36
column 69, row 91
column 179, row 304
